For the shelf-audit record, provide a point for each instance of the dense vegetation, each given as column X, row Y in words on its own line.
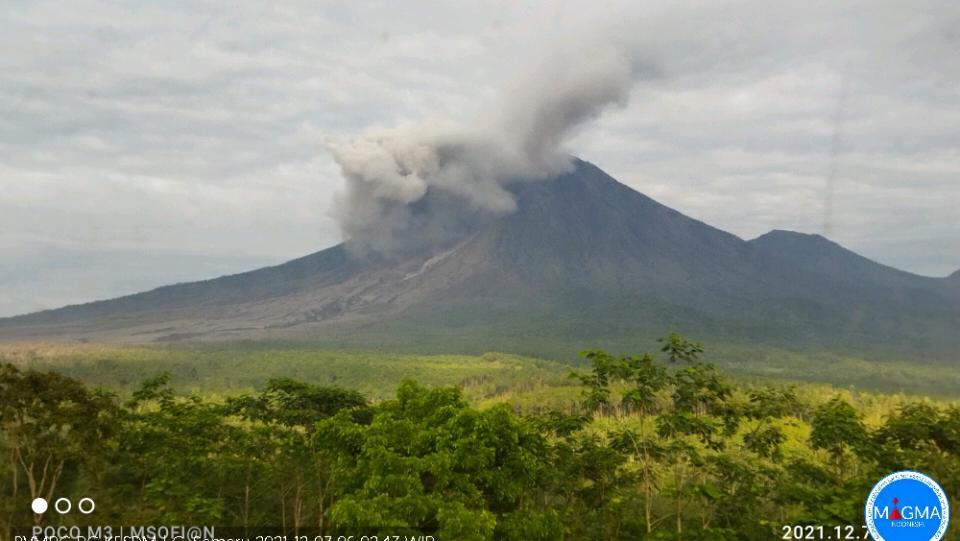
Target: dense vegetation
column 658, row 449
column 230, row 368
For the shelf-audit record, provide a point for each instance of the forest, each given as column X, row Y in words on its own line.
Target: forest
column 658, row 445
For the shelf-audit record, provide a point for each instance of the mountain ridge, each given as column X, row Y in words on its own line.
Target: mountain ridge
column 584, row 259
column 829, row 253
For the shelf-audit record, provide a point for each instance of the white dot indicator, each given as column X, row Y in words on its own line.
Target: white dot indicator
column 39, row 506
column 89, row 508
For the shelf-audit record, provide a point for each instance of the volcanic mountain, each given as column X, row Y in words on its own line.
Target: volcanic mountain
column 584, row 261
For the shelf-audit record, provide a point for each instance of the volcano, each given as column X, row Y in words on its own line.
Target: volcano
column 584, row 261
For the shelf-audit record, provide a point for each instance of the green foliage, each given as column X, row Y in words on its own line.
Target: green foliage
column 245, row 367
column 837, row 428
column 294, row 403
column 679, row 348
column 50, row 423
column 653, row 450
column 430, row 463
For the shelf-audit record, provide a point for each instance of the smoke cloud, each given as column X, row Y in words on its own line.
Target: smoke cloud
column 422, row 185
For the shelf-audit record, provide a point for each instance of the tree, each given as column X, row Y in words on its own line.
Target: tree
column 766, row 406
column 293, row 403
column 173, row 449
column 287, row 413
column 837, row 428
column 679, row 348
column 51, row 424
column 429, row 463
column 604, row 369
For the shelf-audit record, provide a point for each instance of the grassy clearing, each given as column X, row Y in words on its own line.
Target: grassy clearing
column 214, row 369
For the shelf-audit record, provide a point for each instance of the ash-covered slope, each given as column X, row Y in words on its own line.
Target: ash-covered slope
column 587, row 260
column 583, row 261
column 309, row 271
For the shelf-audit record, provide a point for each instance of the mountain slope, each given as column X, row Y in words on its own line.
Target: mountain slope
column 288, row 278
column 825, row 256
column 583, row 261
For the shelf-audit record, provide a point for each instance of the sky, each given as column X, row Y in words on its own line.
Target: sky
column 147, row 143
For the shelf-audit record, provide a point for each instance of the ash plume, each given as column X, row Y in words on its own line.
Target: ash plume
column 427, row 184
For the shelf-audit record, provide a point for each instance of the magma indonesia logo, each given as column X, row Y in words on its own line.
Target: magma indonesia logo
column 907, row 506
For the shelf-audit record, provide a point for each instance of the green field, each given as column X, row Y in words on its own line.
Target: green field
column 233, row 368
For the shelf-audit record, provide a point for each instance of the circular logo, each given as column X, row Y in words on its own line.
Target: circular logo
column 907, row 506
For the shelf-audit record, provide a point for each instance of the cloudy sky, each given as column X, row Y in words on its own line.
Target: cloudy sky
column 143, row 143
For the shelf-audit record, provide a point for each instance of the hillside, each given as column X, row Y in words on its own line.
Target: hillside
column 584, row 260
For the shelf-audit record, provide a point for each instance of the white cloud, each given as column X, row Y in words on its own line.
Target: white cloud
column 200, row 127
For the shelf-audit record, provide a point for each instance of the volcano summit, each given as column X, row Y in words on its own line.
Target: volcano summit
column 582, row 260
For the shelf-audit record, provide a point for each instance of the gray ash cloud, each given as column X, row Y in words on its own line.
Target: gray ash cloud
column 430, row 183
